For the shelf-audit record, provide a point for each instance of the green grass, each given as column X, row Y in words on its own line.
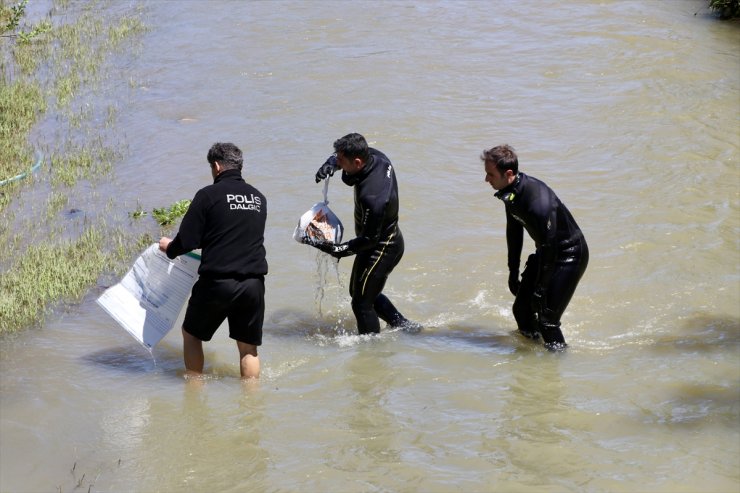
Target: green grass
column 166, row 216
column 21, row 104
column 47, row 273
column 55, row 202
column 81, row 162
column 50, row 72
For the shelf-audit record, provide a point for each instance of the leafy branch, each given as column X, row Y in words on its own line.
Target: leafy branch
column 15, row 14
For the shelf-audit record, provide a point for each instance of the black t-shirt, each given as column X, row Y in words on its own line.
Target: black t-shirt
column 227, row 221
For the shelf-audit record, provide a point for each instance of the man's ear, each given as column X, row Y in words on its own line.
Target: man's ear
column 358, row 163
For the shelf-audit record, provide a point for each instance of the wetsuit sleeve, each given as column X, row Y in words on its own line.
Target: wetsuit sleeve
column 514, row 242
column 372, row 222
column 368, row 238
column 548, row 248
column 191, row 228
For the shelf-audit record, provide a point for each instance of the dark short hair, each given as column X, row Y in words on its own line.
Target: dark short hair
column 227, row 154
column 503, row 157
column 352, row 146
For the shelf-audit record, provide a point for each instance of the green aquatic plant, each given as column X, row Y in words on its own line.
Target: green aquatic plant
column 168, row 215
column 139, row 212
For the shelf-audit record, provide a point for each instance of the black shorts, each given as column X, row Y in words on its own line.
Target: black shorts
column 215, row 300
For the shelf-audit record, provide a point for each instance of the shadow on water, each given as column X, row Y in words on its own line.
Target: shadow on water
column 701, row 332
column 136, row 360
column 292, row 323
column 482, row 337
column 717, row 401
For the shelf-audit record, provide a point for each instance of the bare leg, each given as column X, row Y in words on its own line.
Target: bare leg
column 192, row 351
column 249, row 362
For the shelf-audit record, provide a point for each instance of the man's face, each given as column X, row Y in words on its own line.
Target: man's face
column 497, row 179
column 349, row 166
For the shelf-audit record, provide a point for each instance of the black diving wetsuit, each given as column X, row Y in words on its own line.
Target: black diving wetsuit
column 378, row 244
column 552, row 273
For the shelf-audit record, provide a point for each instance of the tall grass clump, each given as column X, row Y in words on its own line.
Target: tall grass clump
column 47, row 273
column 21, row 104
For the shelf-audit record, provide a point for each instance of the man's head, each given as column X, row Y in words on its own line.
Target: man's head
column 501, row 165
column 352, row 152
column 223, row 156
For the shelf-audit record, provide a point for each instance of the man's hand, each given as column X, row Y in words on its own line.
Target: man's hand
column 514, row 282
column 307, row 240
column 336, row 251
column 164, row 242
column 327, row 169
column 324, row 246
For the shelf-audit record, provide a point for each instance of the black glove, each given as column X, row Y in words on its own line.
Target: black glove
column 336, row 251
column 307, row 240
column 514, row 282
column 327, row 169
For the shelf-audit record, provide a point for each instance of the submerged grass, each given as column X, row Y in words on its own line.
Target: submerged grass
column 45, row 71
column 55, row 202
column 47, row 273
column 81, row 162
column 21, row 104
column 63, row 272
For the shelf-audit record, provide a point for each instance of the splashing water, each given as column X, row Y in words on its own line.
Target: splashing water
column 323, row 263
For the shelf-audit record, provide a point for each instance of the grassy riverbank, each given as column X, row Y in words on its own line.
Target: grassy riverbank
column 59, row 235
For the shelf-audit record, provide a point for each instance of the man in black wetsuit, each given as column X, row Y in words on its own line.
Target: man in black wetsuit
column 378, row 244
column 552, row 273
column 227, row 221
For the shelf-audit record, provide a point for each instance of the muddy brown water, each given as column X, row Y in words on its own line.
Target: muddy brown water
column 628, row 109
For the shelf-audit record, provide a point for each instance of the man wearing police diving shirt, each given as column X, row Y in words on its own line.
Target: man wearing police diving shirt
column 378, row 245
column 552, row 273
column 226, row 220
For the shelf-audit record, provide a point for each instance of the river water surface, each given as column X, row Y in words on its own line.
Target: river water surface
column 630, row 110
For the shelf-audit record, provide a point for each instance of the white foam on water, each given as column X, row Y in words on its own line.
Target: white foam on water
column 283, row 368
